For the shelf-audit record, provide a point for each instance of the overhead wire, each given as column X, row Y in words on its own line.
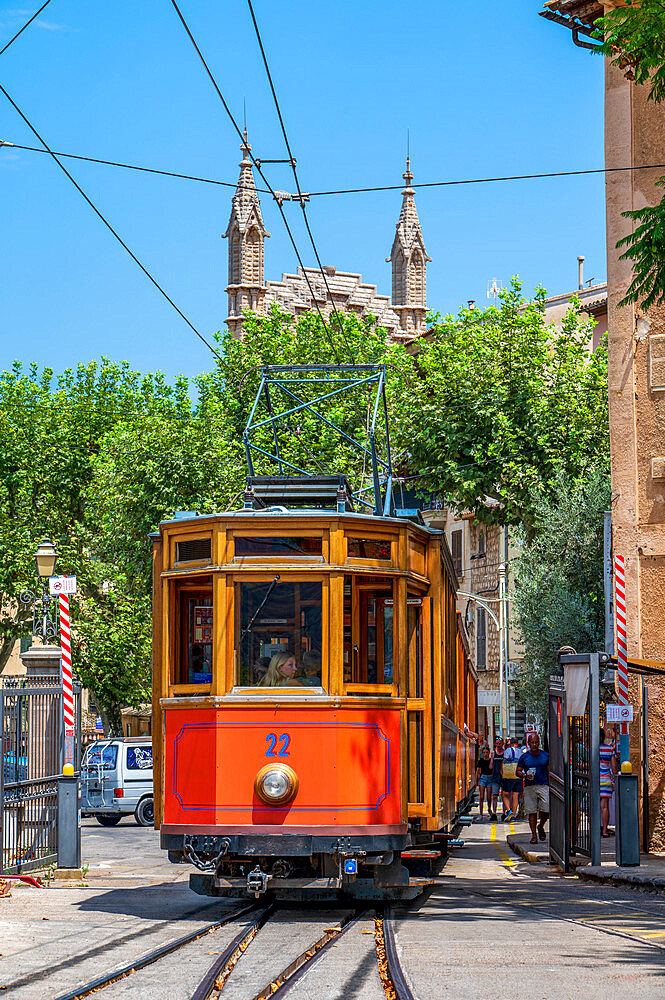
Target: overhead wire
column 108, row 224
column 26, row 25
column 341, row 191
column 134, row 166
column 301, row 199
column 261, row 174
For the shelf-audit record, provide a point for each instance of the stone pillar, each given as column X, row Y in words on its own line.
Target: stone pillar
column 635, row 135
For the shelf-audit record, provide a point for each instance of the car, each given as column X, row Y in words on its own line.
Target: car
column 116, row 780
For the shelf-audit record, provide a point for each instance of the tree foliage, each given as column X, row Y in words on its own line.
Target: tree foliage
column 633, row 38
column 503, row 403
column 52, row 432
column 559, row 597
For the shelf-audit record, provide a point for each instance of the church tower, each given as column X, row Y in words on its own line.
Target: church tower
column 246, row 234
column 409, row 260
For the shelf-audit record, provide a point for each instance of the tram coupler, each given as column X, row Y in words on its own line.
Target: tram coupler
column 257, row 882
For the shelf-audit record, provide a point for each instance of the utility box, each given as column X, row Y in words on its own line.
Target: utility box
column 627, row 821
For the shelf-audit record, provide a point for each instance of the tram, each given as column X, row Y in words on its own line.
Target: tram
column 312, row 695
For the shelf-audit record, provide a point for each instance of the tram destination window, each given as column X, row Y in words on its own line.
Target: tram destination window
column 195, row 639
column 273, row 546
column 278, row 634
column 369, row 548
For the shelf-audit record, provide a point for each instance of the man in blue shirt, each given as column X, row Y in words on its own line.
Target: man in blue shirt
column 534, row 767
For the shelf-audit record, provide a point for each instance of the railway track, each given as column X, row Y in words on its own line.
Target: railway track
column 274, row 949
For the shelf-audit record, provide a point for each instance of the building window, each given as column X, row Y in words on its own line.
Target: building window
column 481, row 639
column 456, row 550
column 482, row 544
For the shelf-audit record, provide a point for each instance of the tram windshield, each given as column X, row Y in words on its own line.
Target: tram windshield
column 278, row 634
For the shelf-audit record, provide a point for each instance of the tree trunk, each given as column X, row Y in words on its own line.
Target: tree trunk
column 6, row 646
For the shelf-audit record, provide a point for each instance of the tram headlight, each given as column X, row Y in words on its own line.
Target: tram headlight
column 276, row 784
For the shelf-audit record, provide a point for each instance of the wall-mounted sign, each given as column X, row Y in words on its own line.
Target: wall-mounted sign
column 202, row 625
column 619, row 713
column 488, row 697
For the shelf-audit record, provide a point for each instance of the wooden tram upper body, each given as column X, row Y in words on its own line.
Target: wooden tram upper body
column 373, row 748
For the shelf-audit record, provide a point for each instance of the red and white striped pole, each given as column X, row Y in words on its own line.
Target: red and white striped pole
column 67, row 686
column 622, row 644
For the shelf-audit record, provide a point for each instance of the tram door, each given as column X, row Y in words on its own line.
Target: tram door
column 415, row 704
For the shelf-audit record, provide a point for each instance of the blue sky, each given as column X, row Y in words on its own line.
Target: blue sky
column 484, row 91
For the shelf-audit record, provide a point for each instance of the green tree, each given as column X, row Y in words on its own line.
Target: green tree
column 503, row 402
column 559, row 598
column 52, row 430
column 633, row 38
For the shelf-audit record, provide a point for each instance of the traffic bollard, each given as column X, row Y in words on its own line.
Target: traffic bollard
column 69, row 825
column 627, row 821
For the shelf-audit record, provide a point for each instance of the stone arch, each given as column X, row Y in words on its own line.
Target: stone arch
column 417, row 279
column 399, row 275
column 253, row 257
column 235, row 256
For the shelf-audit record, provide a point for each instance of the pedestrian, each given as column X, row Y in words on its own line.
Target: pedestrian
column 484, row 781
column 534, row 767
column 497, row 765
column 608, row 770
column 511, row 785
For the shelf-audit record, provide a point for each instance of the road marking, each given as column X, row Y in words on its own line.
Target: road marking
column 493, row 832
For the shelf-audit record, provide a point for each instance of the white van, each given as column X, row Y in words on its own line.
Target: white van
column 116, row 780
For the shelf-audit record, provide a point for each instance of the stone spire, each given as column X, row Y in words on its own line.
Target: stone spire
column 409, row 260
column 246, row 233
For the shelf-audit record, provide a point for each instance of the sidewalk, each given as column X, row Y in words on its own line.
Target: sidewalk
column 650, row 874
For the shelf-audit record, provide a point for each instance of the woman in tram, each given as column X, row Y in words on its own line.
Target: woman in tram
column 281, row 672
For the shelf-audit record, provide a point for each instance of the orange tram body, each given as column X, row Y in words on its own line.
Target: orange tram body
column 312, row 690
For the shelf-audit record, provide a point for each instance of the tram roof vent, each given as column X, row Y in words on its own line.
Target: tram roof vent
column 293, row 492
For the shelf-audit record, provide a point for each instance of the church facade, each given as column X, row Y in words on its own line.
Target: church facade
column 403, row 314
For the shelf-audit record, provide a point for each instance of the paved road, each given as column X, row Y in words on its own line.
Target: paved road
column 493, row 926
column 498, row 926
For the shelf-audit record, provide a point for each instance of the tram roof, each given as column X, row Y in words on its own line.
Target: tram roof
column 316, row 513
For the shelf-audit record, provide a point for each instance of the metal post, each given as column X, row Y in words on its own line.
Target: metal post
column 594, row 732
column 69, row 828
column 607, row 580
column 645, row 765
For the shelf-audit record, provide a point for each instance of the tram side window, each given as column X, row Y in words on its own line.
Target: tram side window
column 278, row 634
column 368, row 630
column 194, row 662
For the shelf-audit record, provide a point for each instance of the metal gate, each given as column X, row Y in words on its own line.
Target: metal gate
column 575, row 767
column 559, row 777
column 31, row 734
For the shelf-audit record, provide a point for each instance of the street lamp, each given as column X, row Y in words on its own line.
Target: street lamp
column 42, row 622
column 46, row 557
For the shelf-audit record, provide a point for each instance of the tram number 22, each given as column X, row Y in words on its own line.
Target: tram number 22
column 284, row 740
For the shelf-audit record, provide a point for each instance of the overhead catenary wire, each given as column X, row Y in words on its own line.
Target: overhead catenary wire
column 340, row 191
column 261, row 174
column 108, row 224
column 301, row 199
column 26, row 25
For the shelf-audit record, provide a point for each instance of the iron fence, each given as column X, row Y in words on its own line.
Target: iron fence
column 579, row 737
column 31, row 736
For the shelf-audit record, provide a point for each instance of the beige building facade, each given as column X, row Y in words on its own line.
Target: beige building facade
column 484, row 557
column 403, row 315
column 634, row 137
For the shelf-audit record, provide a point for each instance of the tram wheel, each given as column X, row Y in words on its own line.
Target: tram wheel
column 108, row 819
column 144, row 814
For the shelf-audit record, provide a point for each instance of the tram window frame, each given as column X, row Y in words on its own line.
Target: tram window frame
column 257, row 690
column 279, row 557
column 371, row 538
column 356, row 639
column 185, row 591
